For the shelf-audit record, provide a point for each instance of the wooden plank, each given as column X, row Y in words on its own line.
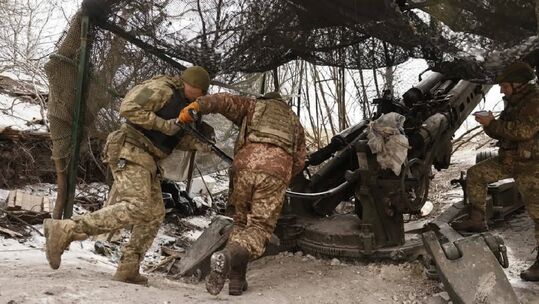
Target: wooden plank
column 18, row 199
column 30, row 202
column 46, row 205
column 11, row 200
column 9, row 232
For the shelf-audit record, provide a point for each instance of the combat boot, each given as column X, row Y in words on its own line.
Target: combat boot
column 238, row 281
column 219, row 270
column 532, row 274
column 128, row 272
column 58, row 235
column 475, row 223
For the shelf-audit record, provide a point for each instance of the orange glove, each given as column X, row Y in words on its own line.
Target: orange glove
column 185, row 116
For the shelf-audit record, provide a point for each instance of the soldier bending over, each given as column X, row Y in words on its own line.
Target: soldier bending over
column 269, row 151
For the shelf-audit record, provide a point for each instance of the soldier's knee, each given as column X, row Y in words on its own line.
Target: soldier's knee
column 473, row 173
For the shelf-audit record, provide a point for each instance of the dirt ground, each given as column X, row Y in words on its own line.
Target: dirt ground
column 27, row 278
column 84, row 276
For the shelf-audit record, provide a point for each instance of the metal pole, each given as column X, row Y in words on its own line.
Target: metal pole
column 78, row 116
column 190, row 171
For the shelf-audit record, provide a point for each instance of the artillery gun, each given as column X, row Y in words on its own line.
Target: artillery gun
column 434, row 109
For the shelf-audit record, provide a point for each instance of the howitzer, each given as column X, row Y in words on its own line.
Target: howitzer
column 434, row 109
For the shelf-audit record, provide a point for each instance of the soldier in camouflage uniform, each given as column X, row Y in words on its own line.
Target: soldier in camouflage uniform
column 269, row 151
column 517, row 132
column 149, row 134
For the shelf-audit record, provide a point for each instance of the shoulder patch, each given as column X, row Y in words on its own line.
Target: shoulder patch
column 142, row 96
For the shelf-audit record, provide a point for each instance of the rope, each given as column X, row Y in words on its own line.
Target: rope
column 63, row 59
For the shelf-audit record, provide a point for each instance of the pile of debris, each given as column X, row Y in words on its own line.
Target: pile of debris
column 20, row 210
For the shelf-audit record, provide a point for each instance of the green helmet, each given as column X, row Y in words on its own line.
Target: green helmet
column 272, row 95
column 517, row 72
column 196, row 76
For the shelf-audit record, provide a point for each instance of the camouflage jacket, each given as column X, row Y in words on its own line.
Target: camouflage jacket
column 517, row 128
column 257, row 156
column 139, row 107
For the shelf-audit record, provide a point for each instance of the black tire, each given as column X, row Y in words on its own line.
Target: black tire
column 484, row 155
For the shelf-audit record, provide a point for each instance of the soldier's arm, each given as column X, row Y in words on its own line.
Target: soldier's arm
column 141, row 103
column 491, row 132
column 189, row 143
column 520, row 130
column 301, row 152
column 233, row 107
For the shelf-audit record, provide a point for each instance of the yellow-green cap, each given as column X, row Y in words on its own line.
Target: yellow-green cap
column 196, row 76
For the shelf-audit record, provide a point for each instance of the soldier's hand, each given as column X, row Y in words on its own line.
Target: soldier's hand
column 185, row 116
column 174, row 127
column 485, row 120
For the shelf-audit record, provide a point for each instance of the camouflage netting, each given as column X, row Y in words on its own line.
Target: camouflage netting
column 470, row 39
column 133, row 40
column 253, row 36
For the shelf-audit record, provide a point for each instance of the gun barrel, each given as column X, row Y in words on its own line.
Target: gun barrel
column 422, row 89
column 465, row 96
column 338, row 142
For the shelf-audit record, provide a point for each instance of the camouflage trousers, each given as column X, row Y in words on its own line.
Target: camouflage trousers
column 256, row 201
column 137, row 202
column 526, row 177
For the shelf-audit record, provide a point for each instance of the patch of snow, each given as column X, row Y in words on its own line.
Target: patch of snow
column 42, row 189
column 201, row 185
column 34, row 249
column 3, row 196
column 424, row 16
column 193, row 235
column 198, row 221
column 20, row 115
column 201, row 202
column 427, row 208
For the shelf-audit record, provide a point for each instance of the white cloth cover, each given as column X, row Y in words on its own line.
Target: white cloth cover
column 387, row 141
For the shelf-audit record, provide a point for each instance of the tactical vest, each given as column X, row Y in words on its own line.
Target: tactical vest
column 272, row 123
column 520, row 150
column 163, row 142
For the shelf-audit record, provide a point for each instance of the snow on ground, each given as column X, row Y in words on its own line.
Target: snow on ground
column 20, row 115
column 84, row 277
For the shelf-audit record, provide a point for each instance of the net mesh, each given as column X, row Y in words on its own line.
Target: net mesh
column 255, row 36
column 134, row 40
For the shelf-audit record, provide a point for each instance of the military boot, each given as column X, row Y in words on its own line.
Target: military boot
column 238, row 272
column 219, row 270
column 128, row 271
column 58, row 235
column 532, row 274
column 475, row 223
